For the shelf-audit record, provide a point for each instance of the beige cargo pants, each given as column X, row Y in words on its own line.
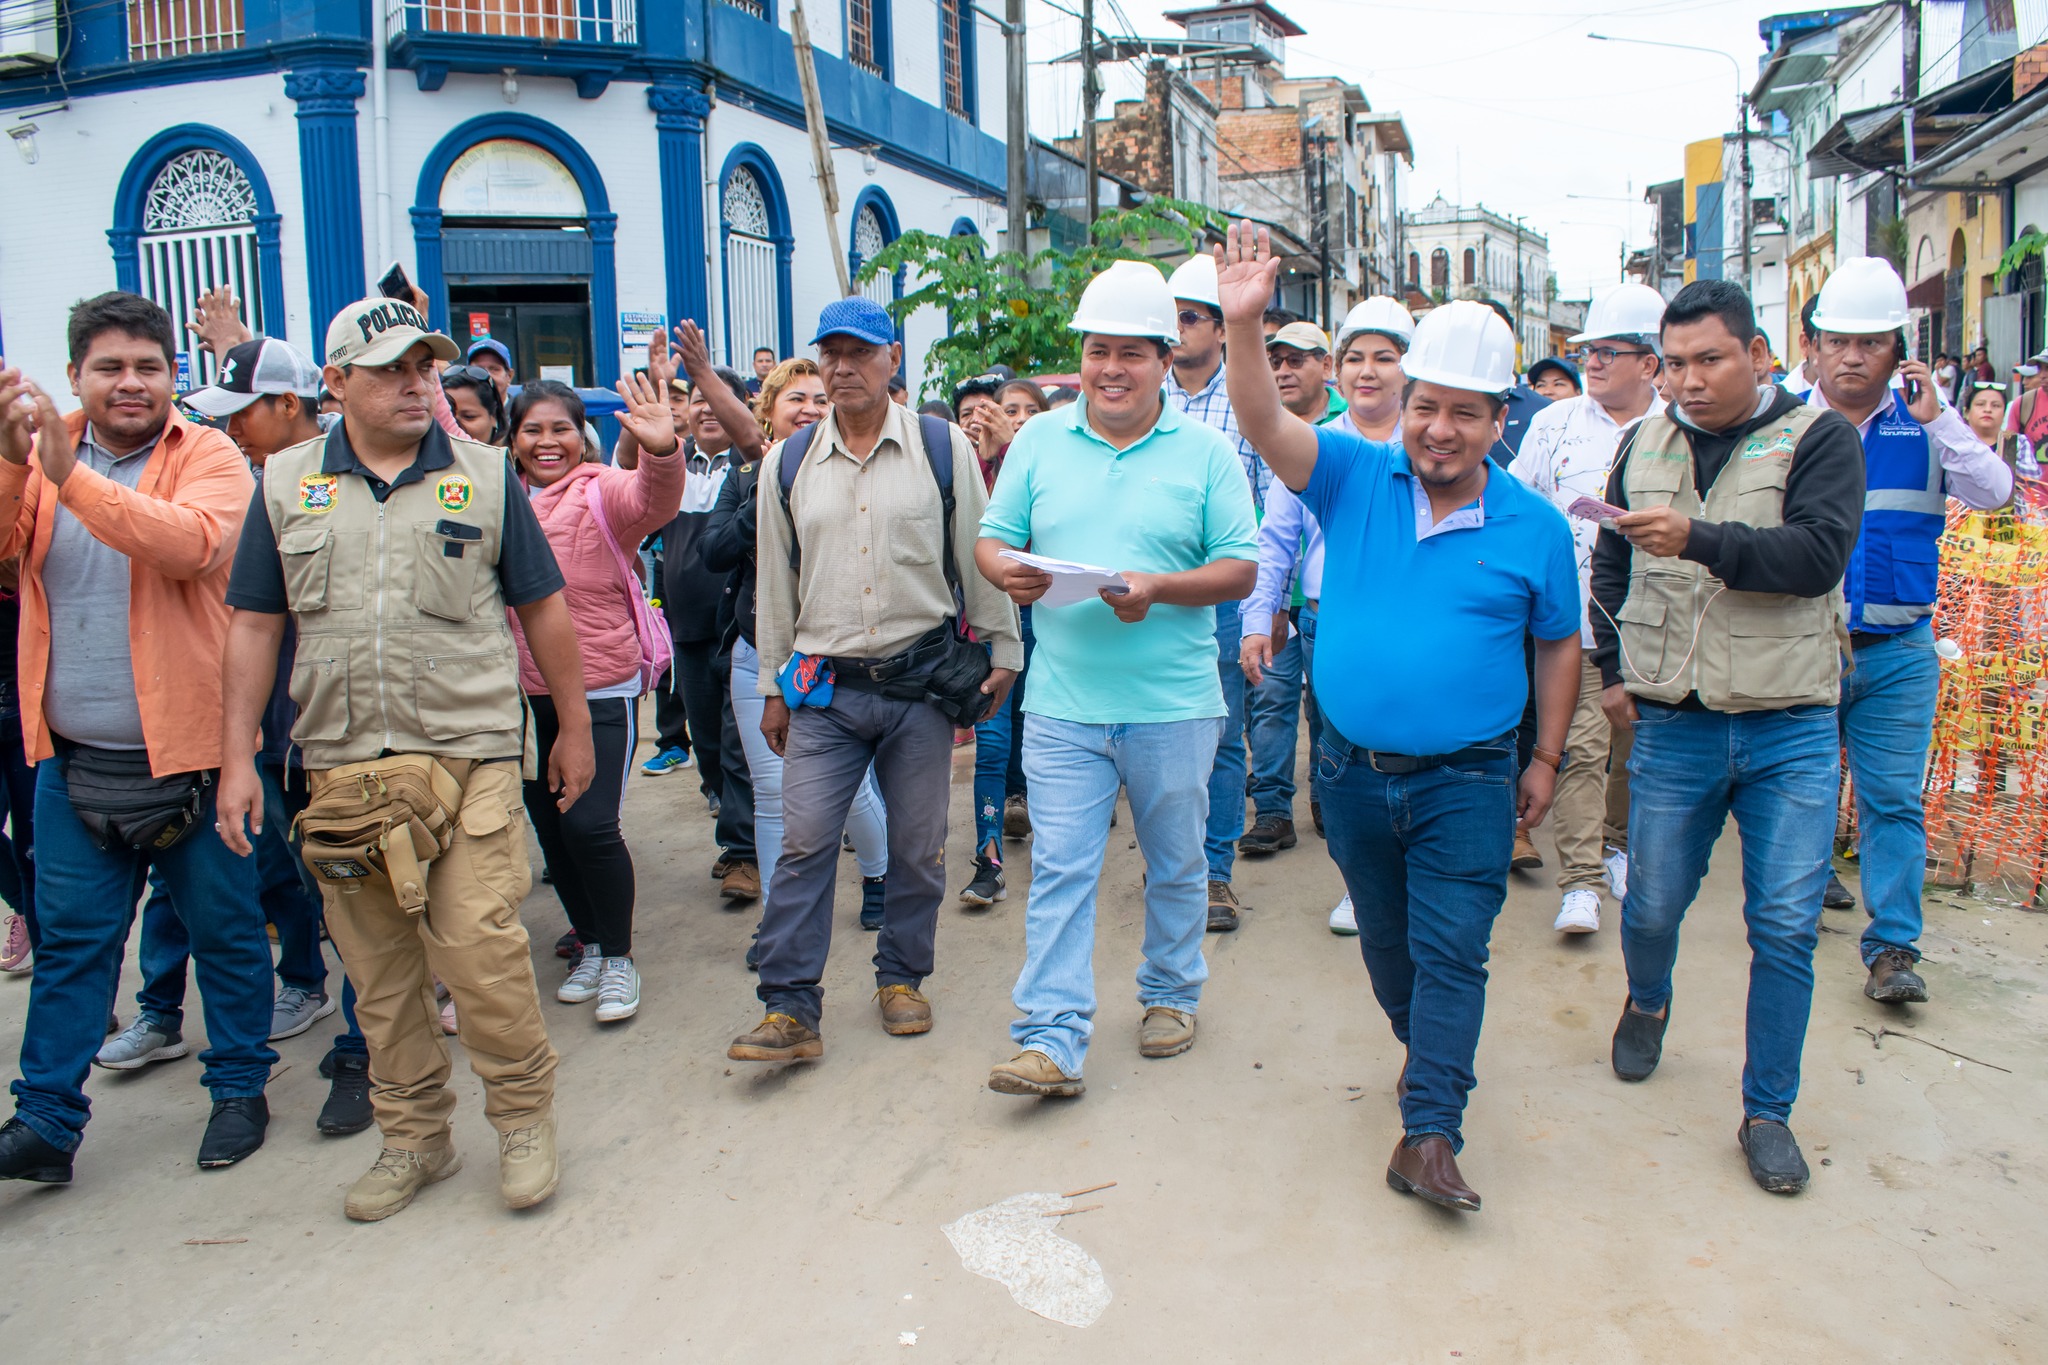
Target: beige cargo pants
column 471, row 937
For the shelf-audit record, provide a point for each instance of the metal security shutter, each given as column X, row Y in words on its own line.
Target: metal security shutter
column 198, row 233
column 753, row 304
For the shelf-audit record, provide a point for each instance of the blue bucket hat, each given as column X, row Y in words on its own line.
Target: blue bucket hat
column 856, row 317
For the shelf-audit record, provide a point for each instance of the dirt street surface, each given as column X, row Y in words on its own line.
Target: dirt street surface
column 720, row 1211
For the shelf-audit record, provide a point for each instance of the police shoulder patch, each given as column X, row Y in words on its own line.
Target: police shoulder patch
column 317, row 492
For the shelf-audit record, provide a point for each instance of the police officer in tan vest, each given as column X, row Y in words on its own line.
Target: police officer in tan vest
column 397, row 549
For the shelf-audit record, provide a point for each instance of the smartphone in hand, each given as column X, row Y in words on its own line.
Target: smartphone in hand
column 395, row 283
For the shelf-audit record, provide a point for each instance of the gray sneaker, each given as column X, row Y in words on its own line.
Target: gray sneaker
column 297, row 1010
column 583, row 977
column 141, row 1043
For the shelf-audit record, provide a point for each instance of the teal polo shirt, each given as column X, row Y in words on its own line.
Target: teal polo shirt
column 1177, row 499
column 1419, row 638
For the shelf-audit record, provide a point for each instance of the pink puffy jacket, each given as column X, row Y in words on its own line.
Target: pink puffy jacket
column 637, row 503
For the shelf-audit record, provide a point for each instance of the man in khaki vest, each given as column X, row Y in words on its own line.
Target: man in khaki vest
column 397, row 549
column 1717, row 601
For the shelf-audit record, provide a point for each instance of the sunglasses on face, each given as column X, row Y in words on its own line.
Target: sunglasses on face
column 1291, row 359
column 474, row 374
column 1188, row 317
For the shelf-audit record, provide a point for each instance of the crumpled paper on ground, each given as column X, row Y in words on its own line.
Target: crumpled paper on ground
column 1013, row 1243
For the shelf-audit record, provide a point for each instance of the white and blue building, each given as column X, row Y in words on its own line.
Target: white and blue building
column 558, row 173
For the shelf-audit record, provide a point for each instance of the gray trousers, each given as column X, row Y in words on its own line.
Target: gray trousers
column 910, row 745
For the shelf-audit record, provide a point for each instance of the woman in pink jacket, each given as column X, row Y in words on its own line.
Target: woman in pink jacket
column 593, row 870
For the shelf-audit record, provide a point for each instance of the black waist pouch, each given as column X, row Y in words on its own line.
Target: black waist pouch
column 123, row 806
column 951, row 680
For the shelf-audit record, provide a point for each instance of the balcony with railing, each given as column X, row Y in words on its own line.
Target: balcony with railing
column 585, row 40
column 158, row 29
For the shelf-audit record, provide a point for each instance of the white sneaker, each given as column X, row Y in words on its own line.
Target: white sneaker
column 1581, row 912
column 582, row 983
column 1344, row 919
column 618, row 990
column 1616, row 863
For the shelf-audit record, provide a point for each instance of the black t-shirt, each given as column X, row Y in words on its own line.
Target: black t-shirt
column 527, row 570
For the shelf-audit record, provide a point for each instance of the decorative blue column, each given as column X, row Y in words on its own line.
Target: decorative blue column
column 426, row 256
column 680, row 108
column 330, row 188
column 604, row 296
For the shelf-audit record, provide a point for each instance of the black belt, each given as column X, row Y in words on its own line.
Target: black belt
column 1398, row 765
column 865, row 675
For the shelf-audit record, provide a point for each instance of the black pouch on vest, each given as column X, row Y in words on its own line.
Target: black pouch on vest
column 123, row 806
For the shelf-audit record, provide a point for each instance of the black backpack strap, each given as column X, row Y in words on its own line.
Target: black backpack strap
column 793, row 451
column 938, row 452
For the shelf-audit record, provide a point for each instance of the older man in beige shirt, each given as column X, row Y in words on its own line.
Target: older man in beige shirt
column 868, row 588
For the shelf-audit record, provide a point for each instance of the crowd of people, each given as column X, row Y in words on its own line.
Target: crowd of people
column 353, row 627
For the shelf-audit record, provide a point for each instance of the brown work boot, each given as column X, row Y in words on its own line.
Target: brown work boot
column 390, row 1184
column 777, row 1038
column 904, row 1010
column 1268, row 834
column 1893, row 980
column 1427, row 1168
column 1525, row 855
column 1165, row 1032
column 527, row 1169
column 1016, row 818
column 1223, row 908
column 741, row 882
column 1032, row 1073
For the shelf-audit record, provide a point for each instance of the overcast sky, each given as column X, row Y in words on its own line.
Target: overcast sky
column 1508, row 103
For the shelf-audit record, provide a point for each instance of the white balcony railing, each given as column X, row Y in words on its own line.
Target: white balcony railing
column 180, row 28
column 560, row 21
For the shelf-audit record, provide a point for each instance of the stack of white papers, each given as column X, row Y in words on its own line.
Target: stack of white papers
column 1071, row 582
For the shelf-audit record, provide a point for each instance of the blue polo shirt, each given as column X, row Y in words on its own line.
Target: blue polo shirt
column 1419, row 639
column 1176, row 499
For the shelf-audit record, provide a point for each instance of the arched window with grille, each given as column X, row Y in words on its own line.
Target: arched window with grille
column 754, row 227
column 1414, row 270
column 1439, row 269
column 193, row 213
column 874, row 227
column 1471, row 266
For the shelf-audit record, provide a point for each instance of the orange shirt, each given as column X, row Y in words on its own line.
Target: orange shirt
column 178, row 528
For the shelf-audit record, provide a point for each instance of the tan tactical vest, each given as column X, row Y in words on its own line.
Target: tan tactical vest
column 1683, row 630
column 403, row 644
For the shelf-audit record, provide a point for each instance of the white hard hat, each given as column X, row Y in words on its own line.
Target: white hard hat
column 1462, row 345
column 1864, row 296
column 1377, row 314
column 1195, row 279
column 1631, row 309
column 1130, row 299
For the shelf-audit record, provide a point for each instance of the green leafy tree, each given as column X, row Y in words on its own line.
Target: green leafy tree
column 999, row 313
column 2026, row 247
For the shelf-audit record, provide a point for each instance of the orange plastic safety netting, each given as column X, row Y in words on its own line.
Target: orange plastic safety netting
column 1987, row 774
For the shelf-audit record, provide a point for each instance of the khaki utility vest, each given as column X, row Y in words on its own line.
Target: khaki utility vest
column 1683, row 630
column 403, row 643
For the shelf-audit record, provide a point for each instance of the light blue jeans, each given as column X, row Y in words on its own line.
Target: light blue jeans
column 1074, row 771
column 1224, row 820
column 865, row 823
column 1887, row 721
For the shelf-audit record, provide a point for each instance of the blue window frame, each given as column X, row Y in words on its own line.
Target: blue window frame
column 755, row 245
column 866, row 26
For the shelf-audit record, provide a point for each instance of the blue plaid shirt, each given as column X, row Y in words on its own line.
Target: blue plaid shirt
column 1211, row 406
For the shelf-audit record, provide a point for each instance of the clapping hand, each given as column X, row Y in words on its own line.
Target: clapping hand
column 217, row 321
column 55, row 453
column 646, row 415
column 1246, row 271
column 17, row 416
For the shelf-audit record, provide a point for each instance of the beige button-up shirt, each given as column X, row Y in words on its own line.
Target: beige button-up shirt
column 871, row 580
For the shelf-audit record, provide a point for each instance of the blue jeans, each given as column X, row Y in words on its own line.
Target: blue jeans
column 991, row 779
column 1074, row 771
column 1013, row 779
column 1275, row 709
column 1226, row 778
column 86, row 899
column 1425, row 858
column 1777, row 772
column 17, row 850
column 1887, row 725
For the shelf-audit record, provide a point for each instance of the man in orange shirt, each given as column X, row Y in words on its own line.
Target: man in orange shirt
column 126, row 516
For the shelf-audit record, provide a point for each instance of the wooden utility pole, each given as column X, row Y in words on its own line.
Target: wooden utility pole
column 821, row 139
column 1018, row 136
column 1091, row 96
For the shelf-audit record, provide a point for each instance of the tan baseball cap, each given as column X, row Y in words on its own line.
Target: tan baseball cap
column 378, row 331
column 1302, row 336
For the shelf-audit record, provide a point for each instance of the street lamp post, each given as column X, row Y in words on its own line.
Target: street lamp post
column 1742, row 117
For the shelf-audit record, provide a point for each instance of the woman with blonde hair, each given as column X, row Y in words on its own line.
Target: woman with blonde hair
column 792, row 397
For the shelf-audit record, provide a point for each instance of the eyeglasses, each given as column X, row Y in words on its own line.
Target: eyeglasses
column 1606, row 355
column 1188, row 317
column 1292, row 359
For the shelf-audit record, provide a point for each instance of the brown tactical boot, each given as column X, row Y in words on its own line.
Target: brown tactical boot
column 528, row 1170
column 904, row 1010
column 1525, row 855
column 1032, row 1073
column 777, row 1038
column 390, row 1184
column 1165, row 1032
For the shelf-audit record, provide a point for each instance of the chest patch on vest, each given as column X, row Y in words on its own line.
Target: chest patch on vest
column 453, row 493
column 1783, row 443
column 317, row 492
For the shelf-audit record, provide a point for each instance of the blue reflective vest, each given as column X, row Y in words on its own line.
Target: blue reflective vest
column 1895, row 568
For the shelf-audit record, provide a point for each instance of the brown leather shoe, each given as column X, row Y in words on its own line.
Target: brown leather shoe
column 777, row 1038
column 1165, row 1032
column 1525, row 855
column 1033, row 1073
column 741, row 883
column 904, row 1010
column 1428, row 1169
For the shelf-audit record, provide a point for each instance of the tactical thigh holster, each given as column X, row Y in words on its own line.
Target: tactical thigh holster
column 385, row 820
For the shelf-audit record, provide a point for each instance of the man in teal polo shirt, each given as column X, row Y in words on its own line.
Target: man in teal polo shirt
column 1123, row 691
column 1436, row 562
